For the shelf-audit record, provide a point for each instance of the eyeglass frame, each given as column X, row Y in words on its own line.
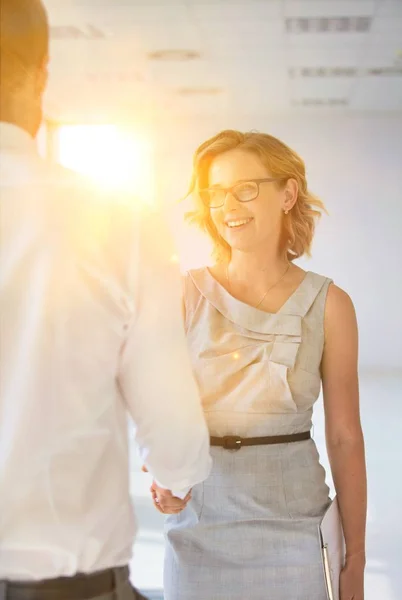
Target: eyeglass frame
column 230, row 189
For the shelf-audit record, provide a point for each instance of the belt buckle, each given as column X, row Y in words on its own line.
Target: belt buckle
column 232, row 442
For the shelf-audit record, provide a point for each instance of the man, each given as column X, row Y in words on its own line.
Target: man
column 90, row 315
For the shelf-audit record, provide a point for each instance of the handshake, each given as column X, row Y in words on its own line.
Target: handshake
column 164, row 501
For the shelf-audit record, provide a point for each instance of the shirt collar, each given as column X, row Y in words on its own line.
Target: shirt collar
column 16, row 139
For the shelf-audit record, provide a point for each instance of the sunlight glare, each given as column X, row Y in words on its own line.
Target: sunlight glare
column 109, row 155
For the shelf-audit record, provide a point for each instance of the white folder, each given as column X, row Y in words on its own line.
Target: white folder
column 333, row 548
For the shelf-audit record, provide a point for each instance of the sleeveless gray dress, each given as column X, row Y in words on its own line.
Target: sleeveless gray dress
column 250, row 531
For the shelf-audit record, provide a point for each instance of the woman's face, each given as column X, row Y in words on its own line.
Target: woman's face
column 247, row 226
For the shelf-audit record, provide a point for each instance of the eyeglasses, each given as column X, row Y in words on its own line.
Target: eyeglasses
column 244, row 191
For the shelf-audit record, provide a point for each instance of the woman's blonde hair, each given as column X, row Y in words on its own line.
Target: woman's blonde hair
column 282, row 163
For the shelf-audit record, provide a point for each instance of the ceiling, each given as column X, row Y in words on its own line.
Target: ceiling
column 203, row 58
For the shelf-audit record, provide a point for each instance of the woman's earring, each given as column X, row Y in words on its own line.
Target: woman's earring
column 286, row 212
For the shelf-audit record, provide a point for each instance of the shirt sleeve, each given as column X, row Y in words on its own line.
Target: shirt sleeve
column 155, row 374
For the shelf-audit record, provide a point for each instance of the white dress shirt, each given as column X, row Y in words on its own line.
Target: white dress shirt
column 90, row 316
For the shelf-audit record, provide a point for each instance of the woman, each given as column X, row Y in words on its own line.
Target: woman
column 263, row 335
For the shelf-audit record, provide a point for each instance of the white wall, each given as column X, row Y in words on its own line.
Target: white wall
column 355, row 164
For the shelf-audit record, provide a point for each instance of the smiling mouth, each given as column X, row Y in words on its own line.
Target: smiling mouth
column 233, row 224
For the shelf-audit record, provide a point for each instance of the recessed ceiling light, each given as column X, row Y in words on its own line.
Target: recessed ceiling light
column 174, row 55
column 299, row 25
column 321, row 72
column 326, row 72
column 320, row 102
column 384, row 71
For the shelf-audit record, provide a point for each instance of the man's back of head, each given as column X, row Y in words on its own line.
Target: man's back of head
column 24, row 45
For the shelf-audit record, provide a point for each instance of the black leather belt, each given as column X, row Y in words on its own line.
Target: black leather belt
column 234, row 442
column 64, row 588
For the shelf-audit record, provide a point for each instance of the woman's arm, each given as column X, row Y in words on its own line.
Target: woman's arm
column 344, row 435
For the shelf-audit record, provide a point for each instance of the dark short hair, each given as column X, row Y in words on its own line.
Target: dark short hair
column 24, row 40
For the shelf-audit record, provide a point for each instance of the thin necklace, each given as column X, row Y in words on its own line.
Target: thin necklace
column 268, row 290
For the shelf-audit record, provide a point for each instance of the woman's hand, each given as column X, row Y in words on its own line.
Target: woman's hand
column 352, row 578
column 165, row 502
